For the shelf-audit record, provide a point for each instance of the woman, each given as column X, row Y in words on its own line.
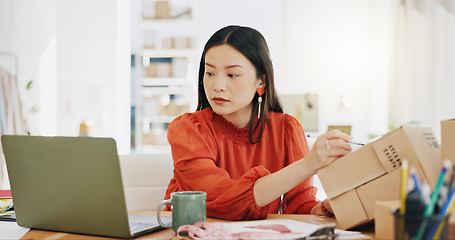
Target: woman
column 238, row 146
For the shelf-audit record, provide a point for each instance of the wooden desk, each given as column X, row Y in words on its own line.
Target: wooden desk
column 169, row 233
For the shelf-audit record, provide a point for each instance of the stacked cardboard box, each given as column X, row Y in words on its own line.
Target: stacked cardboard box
column 356, row 181
column 448, row 140
column 384, row 221
column 448, row 152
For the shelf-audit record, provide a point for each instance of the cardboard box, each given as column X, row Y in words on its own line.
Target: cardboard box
column 162, row 9
column 356, row 181
column 182, row 42
column 159, row 67
column 451, row 226
column 384, row 221
column 448, row 152
column 448, row 140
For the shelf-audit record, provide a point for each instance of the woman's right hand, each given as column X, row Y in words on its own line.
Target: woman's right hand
column 328, row 147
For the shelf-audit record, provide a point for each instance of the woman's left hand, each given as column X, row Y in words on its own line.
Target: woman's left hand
column 323, row 208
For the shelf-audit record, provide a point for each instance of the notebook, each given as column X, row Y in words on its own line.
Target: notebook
column 70, row 184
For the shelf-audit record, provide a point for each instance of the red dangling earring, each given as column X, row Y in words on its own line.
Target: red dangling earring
column 260, row 91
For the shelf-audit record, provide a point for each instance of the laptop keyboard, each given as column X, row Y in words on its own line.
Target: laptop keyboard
column 141, row 223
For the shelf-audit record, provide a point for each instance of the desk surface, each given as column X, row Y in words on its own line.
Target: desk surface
column 169, row 233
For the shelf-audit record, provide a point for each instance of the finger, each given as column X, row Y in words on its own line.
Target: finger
column 337, row 134
column 340, row 143
column 338, row 152
column 321, row 143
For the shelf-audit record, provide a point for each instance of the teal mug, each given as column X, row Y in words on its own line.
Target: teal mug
column 188, row 207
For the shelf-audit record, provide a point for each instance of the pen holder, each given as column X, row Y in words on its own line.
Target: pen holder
column 420, row 227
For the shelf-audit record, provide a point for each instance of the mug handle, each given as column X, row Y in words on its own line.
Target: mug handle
column 165, row 202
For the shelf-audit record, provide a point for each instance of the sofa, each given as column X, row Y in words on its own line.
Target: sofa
column 145, row 179
column 147, row 175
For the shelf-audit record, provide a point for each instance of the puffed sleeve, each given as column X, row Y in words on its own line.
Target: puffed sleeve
column 302, row 198
column 194, row 153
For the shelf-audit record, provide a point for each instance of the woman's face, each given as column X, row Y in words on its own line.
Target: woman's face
column 230, row 83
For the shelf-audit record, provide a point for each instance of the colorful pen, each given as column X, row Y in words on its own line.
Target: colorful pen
column 452, row 178
column 415, row 178
column 434, row 196
column 404, row 179
column 433, row 199
column 445, row 211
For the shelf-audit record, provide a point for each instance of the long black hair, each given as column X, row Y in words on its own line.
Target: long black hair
column 253, row 46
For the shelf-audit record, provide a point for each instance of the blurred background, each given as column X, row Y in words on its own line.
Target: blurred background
column 125, row 69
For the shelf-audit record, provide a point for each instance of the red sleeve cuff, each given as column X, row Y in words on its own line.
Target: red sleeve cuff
column 237, row 202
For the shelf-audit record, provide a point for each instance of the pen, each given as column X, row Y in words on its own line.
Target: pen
column 433, row 199
column 404, row 179
column 355, row 143
column 445, row 211
column 434, row 196
column 452, row 178
column 416, row 180
column 415, row 201
column 426, row 191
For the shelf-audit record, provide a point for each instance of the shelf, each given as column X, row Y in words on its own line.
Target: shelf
column 167, row 23
column 174, row 40
column 168, row 53
column 158, row 82
column 158, row 119
column 164, row 91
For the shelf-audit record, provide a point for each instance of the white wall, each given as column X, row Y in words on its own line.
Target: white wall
column 93, row 81
column 77, row 54
column 265, row 16
column 333, row 50
column 76, row 51
column 32, row 25
column 5, row 30
column 336, row 49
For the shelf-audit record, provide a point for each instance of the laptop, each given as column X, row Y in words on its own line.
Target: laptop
column 71, row 184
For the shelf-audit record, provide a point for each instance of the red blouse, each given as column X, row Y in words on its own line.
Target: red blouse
column 213, row 155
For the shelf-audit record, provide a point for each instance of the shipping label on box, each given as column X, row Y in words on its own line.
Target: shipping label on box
column 369, row 174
